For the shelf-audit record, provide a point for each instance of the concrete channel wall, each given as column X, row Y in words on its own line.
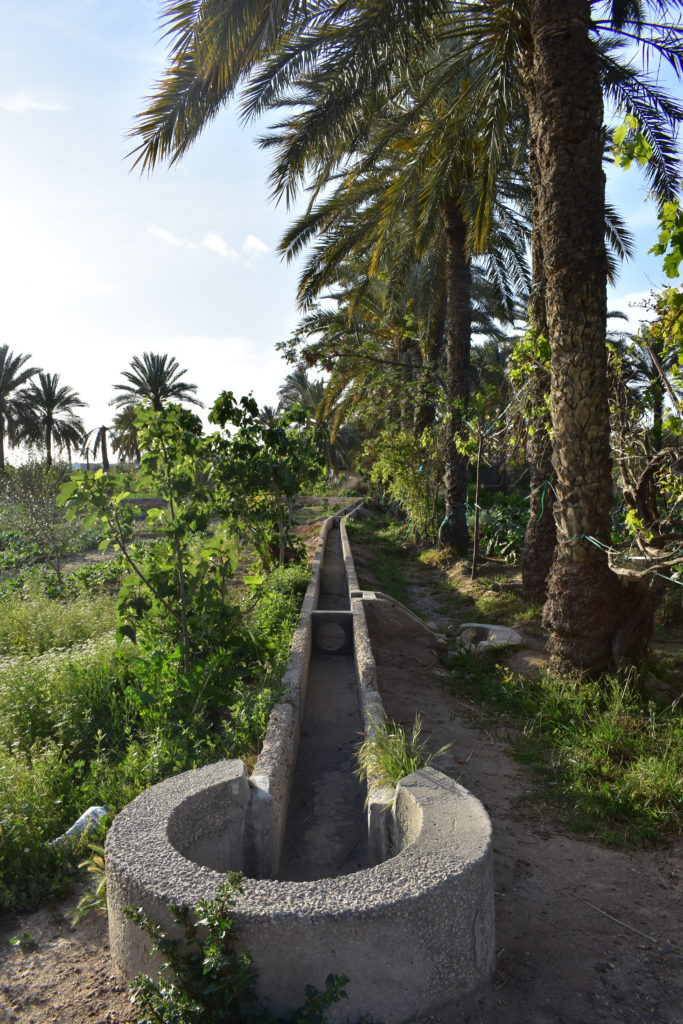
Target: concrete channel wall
column 412, row 932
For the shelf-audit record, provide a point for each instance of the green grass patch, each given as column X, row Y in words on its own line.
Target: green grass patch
column 33, row 623
column 614, row 760
column 77, row 729
column 503, row 607
column 388, row 556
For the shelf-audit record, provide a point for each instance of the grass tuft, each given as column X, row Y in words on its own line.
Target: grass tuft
column 390, row 754
column 613, row 758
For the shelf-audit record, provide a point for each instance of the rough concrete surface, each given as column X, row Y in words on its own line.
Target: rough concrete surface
column 410, row 932
column 485, row 637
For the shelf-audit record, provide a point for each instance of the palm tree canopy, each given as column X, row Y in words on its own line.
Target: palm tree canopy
column 125, row 433
column 154, row 378
column 50, row 399
column 216, row 45
column 48, row 414
column 298, row 388
column 14, row 374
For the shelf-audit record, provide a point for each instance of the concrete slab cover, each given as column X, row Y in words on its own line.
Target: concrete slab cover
column 485, row 637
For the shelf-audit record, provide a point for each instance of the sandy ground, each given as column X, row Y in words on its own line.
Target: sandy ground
column 585, row 934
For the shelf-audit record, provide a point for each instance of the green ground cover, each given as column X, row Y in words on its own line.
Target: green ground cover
column 79, row 725
column 609, row 757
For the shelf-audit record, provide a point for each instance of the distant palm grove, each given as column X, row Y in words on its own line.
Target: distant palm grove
column 38, row 412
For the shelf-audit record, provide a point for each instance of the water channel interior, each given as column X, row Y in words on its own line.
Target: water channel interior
column 326, row 833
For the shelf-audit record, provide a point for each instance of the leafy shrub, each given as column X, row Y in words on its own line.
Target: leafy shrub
column 501, row 530
column 205, row 979
column 410, row 469
column 33, row 528
column 102, row 721
column 38, row 801
column 69, row 698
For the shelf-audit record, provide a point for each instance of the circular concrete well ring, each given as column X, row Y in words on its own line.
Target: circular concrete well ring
column 411, row 933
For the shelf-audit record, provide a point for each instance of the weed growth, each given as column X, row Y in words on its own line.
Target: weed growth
column 32, row 623
column 102, row 721
column 613, row 758
column 205, row 979
column 390, row 753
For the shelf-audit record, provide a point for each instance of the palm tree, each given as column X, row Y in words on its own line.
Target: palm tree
column 412, row 191
column 97, row 439
column 68, row 433
column 86, row 451
column 298, row 389
column 14, row 374
column 125, row 433
column 156, row 379
column 49, row 418
column 548, row 50
column 269, row 416
column 594, row 617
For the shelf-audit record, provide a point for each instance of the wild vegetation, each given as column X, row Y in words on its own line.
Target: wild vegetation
column 485, row 401
column 207, row 980
column 115, row 676
column 609, row 756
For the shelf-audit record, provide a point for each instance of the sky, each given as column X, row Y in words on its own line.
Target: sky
column 99, row 264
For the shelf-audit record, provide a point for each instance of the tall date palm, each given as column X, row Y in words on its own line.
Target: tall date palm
column 14, row 374
column 156, row 379
column 49, row 418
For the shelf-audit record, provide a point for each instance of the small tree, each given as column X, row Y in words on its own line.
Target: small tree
column 261, row 467
column 30, row 494
column 174, row 594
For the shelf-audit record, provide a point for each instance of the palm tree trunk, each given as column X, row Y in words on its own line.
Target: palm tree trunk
column 425, row 407
column 592, row 617
column 453, row 532
column 540, row 536
column 105, row 453
column 48, row 442
column 2, row 444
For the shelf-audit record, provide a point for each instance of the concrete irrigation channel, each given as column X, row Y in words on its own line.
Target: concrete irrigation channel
column 397, row 895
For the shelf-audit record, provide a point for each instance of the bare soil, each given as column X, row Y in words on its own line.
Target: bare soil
column 585, row 934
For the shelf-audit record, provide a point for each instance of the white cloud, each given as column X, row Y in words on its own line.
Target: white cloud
column 216, row 243
column 253, row 246
column 170, row 239
column 632, row 305
column 226, row 362
column 22, row 102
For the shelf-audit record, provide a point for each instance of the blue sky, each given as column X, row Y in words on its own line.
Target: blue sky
column 99, row 264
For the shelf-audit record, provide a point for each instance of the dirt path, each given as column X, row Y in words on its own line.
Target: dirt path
column 561, row 960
